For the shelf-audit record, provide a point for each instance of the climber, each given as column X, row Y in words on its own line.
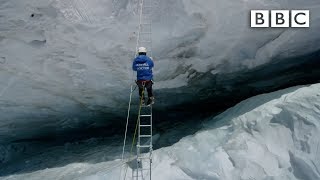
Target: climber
column 143, row 65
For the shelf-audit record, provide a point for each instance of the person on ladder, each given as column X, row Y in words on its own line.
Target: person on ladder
column 143, row 65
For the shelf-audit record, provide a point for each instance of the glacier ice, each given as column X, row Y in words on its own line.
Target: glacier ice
column 68, row 63
column 269, row 136
column 65, row 66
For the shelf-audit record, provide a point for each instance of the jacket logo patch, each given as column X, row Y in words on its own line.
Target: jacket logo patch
column 142, row 68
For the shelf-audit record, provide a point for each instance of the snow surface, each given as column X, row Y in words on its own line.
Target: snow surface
column 270, row 136
column 64, row 63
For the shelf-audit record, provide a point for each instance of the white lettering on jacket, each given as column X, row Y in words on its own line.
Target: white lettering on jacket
column 144, row 66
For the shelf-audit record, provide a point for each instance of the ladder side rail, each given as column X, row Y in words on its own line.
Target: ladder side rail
column 151, row 148
column 144, row 38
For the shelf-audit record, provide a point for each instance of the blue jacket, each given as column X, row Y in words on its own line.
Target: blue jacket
column 143, row 65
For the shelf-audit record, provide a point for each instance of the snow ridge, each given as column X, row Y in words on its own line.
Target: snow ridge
column 270, row 136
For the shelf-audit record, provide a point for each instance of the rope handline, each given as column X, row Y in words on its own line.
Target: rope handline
column 140, row 22
column 138, row 120
column 135, row 131
column 130, row 100
column 128, row 115
column 126, row 131
column 137, row 44
column 129, row 108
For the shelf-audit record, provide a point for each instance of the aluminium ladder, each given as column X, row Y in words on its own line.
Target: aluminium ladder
column 141, row 165
column 144, row 142
column 145, row 26
column 144, row 145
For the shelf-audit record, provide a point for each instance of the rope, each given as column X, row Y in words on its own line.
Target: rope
column 129, row 106
column 139, row 32
column 128, row 115
column 130, row 100
column 140, row 22
column 126, row 131
column 135, row 131
column 138, row 121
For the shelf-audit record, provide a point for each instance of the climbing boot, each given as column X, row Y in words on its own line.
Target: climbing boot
column 150, row 101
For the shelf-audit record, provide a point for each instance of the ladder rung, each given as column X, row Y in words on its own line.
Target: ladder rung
column 144, row 158
column 145, row 115
column 144, row 169
column 145, row 125
column 144, row 146
column 146, row 106
column 145, row 41
column 145, row 136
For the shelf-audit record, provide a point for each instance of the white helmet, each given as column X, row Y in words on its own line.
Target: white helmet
column 142, row 50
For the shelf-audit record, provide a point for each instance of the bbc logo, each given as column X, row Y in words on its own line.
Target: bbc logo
column 280, row 18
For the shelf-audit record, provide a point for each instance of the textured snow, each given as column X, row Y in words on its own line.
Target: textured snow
column 270, row 136
column 65, row 62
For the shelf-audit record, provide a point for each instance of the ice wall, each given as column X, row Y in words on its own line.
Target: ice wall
column 67, row 64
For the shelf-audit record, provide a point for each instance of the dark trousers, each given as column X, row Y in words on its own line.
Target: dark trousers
column 147, row 85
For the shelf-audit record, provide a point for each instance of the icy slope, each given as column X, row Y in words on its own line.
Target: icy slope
column 270, row 136
column 66, row 64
